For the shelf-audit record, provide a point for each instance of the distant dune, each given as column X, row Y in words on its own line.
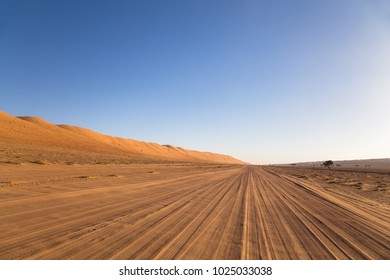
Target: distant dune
column 356, row 164
column 31, row 139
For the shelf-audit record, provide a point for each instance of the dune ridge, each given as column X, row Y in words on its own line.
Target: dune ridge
column 36, row 133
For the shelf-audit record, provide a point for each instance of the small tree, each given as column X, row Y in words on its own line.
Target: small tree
column 328, row 163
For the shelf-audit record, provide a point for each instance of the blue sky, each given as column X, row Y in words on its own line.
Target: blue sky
column 264, row 81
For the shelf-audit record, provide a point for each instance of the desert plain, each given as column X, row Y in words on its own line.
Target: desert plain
column 70, row 193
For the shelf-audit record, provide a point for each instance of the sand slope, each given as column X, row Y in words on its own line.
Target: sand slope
column 31, row 134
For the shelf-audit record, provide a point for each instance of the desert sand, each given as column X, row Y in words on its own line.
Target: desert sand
column 87, row 198
column 182, row 212
column 34, row 140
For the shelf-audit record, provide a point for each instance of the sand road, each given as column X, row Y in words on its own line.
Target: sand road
column 182, row 212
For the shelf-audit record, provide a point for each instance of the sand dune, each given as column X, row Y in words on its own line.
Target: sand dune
column 27, row 135
column 380, row 165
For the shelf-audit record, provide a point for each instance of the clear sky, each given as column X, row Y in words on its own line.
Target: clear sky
column 264, row 81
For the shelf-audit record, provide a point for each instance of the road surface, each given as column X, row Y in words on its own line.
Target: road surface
column 241, row 212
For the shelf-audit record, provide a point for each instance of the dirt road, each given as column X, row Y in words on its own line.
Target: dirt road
column 186, row 212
